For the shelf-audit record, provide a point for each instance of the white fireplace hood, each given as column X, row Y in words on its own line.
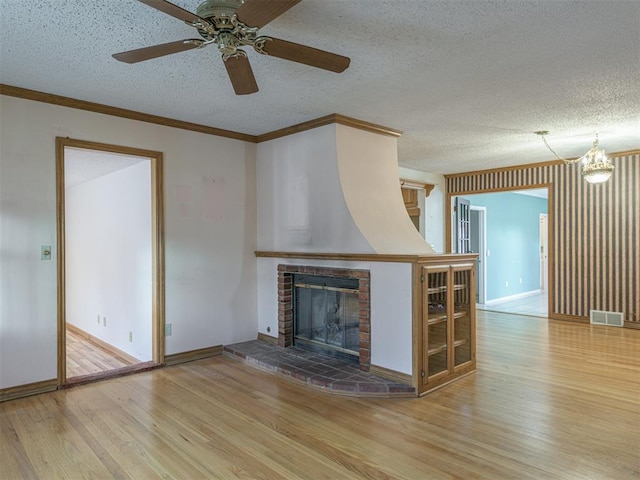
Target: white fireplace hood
column 333, row 189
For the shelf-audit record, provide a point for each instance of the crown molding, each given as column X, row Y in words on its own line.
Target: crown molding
column 503, row 169
column 52, row 99
column 328, row 120
column 531, row 165
column 36, row 96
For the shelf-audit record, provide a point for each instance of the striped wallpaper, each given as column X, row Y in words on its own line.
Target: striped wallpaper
column 594, row 232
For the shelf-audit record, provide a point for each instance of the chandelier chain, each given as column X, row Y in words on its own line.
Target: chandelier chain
column 565, row 160
column 595, row 168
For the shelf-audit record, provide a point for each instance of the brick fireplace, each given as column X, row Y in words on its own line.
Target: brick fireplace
column 286, row 300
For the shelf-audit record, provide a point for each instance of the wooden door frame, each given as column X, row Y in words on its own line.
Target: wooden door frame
column 481, row 273
column 544, row 278
column 157, row 244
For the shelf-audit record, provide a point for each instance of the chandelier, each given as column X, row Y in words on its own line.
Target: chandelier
column 595, row 166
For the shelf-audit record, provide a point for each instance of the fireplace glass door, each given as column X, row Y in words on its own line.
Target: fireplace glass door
column 327, row 313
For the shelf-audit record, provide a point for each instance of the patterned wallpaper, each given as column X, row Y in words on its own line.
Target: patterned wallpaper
column 594, row 232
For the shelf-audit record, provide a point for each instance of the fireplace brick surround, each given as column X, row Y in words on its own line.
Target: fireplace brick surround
column 285, row 304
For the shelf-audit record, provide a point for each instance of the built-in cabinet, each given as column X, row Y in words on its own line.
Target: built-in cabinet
column 410, row 195
column 446, row 339
column 437, row 327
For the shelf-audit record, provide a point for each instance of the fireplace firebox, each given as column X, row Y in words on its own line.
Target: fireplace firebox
column 326, row 314
column 342, row 294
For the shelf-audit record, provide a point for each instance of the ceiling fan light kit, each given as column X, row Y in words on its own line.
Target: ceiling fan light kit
column 232, row 24
column 595, row 165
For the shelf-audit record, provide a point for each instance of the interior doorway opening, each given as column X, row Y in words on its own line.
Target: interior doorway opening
column 508, row 230
column 110, row 260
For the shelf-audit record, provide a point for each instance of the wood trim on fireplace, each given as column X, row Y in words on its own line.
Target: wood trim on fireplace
column 268, row 338
column 355, row 257
column 391, row 374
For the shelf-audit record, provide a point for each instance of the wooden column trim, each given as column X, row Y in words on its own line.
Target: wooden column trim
column 427, row 187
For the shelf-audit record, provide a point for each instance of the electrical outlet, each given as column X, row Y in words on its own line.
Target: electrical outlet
column 104, row 321
column 167, row 330
column 520, row 280
column 98, row 319
column 506, row 284
column 45, row 252
column 130, row 336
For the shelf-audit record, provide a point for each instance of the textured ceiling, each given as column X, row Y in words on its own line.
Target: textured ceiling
column 466, row 81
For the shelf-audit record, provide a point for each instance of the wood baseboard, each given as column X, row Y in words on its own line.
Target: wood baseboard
column 115, row 373
column 19, row 391
column 448, row 382
column 191, row 355
column 578, row 319
column 568, row 318
column 391, row 374
column 267, row 338
column 516, row 296
column 116, row 352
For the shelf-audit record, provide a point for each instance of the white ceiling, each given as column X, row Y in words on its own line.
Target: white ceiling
column 82, row 165
column 467, row 81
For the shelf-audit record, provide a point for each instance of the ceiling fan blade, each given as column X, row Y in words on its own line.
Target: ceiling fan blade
column 173, row 10
column 257, row 13
column 241, row 75
column 307, row 55
column 147, row 53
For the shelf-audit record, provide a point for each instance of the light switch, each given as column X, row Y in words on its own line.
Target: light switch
column 45, row 252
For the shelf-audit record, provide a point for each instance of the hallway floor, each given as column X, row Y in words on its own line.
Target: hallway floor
column 85, row 357
column 536, row 305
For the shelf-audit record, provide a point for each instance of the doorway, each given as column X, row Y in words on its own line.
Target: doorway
column 514, row 254
column 110, row 260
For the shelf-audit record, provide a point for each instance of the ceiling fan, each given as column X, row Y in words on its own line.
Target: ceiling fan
column 231, row 24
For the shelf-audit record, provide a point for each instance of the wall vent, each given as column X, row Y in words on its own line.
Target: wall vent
column 614, row 319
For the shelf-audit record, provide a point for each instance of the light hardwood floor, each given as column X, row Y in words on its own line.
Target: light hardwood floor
column 85, row 357
column 550, row 400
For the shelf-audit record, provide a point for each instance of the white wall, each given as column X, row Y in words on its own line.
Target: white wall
column 390, row 295
column 301, row 205
column 368, row 168
column 336, row 189
column 108, row 258
column 210, row 232
column 433, row 211
column 333, row 189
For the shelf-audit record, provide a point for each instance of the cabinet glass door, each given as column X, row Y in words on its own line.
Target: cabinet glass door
column 462, row 298
column 436, row 321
